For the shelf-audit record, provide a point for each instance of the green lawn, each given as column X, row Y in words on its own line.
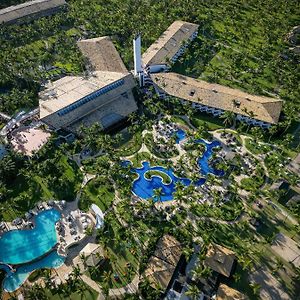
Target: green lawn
column 88, row 294
column 130, row 143
column 166, row 179
column 213, row 123
column 122, row 256
column 99, row 192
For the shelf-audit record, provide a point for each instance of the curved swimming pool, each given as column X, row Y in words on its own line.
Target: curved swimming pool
column 13, row 280
column 144, row 188
column 22, row 246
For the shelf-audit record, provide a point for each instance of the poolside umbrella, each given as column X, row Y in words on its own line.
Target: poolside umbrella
column 50, row 203
column 17, row 221
column 28, row 215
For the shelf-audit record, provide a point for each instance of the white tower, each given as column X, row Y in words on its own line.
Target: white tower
column 138, row 70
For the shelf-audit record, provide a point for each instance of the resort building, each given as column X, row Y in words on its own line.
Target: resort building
column 216, row 99
column 93, row 254
column 227, row 293
column 220, row 260
column 105, row 96
column 163, row 262
column 30, row 10
column 169, row 46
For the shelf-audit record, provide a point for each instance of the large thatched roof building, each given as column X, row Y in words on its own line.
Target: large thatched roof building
column 163, row 262
column 216, row 99
column 169, row 46
column 30, row 10
column 220, row 259
column 104, row 97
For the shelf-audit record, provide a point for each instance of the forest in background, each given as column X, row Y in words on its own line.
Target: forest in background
column 240, row 44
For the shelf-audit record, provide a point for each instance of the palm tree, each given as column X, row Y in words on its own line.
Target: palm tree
column 229, row 118
column 157, row 193
column 193, row 292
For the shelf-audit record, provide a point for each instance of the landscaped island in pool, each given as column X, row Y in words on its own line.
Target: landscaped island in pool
column 22, row 246
column 144, row 187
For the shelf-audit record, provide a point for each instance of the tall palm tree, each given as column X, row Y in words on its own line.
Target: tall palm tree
column 229, row 118
column 193, row 292
column 158, row 193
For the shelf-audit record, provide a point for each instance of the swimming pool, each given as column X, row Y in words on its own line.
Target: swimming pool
column 203, row 162
column 13, row 280
column 180, row 135
column 22, row 246
column 144, row 188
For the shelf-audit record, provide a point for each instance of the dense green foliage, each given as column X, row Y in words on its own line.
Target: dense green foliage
column 240, row 43
column 48, row 175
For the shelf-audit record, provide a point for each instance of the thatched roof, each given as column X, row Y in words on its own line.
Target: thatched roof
column 220, row 259
column 166, row 46
column 217, row 96
column 163, row 262
column 28, row 9
column 226, row 293
column 94, row 253
column 102, row 54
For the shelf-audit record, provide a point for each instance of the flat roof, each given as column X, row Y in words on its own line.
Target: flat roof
column 262, row 108
column 28, row 8
column 102, row 54
column 220, row 259
column 166, row 46
column 70, row 89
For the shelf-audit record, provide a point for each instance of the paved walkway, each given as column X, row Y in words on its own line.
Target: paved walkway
column 94, row 285
column 131, row 288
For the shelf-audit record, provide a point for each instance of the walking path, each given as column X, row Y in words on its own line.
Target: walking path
column 94, row 286
column 131, row 288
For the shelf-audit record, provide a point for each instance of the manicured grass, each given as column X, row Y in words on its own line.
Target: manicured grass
column 213, row 123
column 99, row 192
column 88, row 294
column 179, row 120
column 166, row 179
column 130, row 143
column 122, row 256
column 254, row 181
column 139, row 158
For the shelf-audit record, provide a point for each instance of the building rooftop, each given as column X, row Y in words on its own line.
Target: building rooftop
column 102, row 54
column 94, row 253
column 70, row 89
column 109, row 113
column 220, row 259
column 29, row 8
column 166, row 46
column 226, row 293
column 217, row 96
column 163, row 262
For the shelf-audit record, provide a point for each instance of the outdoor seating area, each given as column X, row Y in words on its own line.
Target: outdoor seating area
column 28, row 140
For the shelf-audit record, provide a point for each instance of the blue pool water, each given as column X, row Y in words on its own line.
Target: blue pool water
column 21, row 246
column 180, row 135
column 203, row 162
column 144, row 188
column 14, row 280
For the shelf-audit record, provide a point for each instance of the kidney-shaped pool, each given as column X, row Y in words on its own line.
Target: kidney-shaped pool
column 22, row 246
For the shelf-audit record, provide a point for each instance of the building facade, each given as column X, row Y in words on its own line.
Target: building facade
column 169, row 47
column 105, row 96
column 30, row 10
